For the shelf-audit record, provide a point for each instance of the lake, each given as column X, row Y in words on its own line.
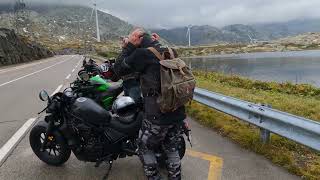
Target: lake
column 294, row 66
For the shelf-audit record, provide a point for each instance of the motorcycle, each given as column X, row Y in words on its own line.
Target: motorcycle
column 80, row 125
column 91, row 67
column 97, row 88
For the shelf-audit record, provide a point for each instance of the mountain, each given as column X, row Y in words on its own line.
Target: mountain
column 62, row 23
column 239, row 33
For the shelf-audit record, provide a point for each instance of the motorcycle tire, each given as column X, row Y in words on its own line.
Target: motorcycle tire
column 57, row 152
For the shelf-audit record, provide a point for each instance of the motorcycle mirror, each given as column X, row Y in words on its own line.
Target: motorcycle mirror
column 43, row 95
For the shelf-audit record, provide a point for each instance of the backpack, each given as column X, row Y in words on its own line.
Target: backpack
column 177, row 82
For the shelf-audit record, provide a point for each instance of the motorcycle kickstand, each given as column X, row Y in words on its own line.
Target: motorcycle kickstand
column 109, row 170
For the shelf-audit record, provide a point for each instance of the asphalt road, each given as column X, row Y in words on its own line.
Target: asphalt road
column 20, row 86
column 211, row 157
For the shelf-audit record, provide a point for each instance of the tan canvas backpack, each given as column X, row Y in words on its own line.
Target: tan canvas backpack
column 177, row 82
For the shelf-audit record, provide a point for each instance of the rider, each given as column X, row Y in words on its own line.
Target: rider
column 157, row 128
column 131, row 84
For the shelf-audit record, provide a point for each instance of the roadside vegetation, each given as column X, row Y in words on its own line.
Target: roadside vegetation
column 302, row 100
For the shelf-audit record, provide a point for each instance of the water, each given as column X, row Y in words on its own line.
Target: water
column 295, row 67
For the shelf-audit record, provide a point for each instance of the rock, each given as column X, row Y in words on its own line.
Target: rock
column 14, row 50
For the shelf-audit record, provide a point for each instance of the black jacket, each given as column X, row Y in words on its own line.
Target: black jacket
column 130, row 79
column 147, row 64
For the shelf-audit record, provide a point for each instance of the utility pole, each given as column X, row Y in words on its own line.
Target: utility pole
column 97, row 23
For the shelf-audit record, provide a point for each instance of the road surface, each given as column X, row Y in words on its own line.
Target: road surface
column 211, row 157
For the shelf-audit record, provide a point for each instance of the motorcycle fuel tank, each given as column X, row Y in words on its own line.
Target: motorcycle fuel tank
column 91, row 112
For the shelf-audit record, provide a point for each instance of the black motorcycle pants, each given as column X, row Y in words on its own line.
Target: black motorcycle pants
column 152, row 137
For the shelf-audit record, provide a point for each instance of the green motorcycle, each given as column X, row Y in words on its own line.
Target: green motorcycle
column 98, row 89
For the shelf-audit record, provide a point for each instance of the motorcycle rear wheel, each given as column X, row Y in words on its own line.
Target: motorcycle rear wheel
column 56, row 153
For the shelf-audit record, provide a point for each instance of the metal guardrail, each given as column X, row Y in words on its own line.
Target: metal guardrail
column 298, row 129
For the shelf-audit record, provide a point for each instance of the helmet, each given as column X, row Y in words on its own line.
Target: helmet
column 123, row 104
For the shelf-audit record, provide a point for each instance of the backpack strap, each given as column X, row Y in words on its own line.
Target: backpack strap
column 156, row 53
column 171, row 53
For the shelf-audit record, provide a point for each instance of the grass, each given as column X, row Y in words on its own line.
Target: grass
column 301, row 100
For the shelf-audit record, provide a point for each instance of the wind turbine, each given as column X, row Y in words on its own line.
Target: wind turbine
column 189, row 34
column 251, row 40
column 97, row 21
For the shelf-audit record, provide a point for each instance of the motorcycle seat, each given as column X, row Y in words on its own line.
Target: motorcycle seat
column 129, row 125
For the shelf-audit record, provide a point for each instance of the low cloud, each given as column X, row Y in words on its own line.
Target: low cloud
column 168, row 13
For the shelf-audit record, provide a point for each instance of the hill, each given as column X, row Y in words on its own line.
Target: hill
column 62, row 24
column 239, row 33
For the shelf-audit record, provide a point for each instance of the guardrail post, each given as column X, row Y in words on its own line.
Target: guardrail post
column 264, row 136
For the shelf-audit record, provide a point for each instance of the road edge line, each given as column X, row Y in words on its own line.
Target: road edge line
column 68, row 76
column 12, row 143
column 57, row 90
column 30, row 64
column 22, row 77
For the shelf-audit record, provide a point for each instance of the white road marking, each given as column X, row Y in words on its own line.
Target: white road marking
column 25, row 66
column 68, row 76
column 57, row 90
column 73, row 70
column 78, row 64
column 10, row 145
column 32, row 73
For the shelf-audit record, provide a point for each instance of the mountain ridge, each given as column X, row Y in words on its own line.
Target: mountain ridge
column 239, row 33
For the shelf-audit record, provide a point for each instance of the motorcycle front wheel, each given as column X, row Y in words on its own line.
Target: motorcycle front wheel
column 55, row 153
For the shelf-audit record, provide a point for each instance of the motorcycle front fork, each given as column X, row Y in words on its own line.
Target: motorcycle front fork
column 46, row 136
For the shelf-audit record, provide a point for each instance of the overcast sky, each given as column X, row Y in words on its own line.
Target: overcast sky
column 174, row 13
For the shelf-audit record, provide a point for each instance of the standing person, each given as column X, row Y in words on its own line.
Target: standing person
column 131, row 83
column 157, row 128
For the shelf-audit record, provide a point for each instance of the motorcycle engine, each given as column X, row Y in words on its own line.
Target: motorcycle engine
column 92, row 146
